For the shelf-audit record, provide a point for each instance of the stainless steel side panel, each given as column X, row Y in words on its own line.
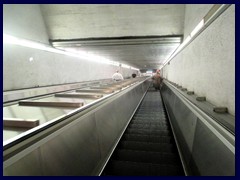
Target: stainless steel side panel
column 210, row 154
column 112, row 118
column 72, row 150
column 80, row 147
column 206, row 148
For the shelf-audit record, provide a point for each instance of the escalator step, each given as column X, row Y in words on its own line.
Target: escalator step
column 148, row 131
column 145, row 146
column 151, row 129
column 147, row 157
column 148, row 116
column 158, row 109
column 148, row 113
column 149, row 109
column 157, row 123
column 124, row 168
column 149, row 119
column 148, row 126
column 147, row 138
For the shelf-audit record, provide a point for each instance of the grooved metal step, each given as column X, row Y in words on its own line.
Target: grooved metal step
column 149, row 122
column 149, row 119
column 125, row 168
column 148, row 131
column 147, row 157
column 147, row 138
column 148, row 126
column 147, row 147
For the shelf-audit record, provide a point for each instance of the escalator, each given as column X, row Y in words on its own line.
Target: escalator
column 147, row 148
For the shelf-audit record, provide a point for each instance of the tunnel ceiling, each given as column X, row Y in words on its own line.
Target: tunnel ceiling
column 140, row 35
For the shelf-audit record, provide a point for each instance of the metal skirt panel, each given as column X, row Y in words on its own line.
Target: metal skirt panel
column 204, row 150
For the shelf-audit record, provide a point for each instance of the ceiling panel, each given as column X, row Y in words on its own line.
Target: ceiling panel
column 139, row 35
column 137, row 52
column 71, row 21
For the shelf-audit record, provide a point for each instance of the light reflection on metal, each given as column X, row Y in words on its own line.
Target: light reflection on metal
column 197, row 28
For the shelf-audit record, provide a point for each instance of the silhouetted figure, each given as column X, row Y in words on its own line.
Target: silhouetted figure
column 157, row 80
column 117, row 76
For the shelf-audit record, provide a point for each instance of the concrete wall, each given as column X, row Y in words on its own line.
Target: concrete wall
column 48, row 68
column 113, row 20
column 193, row 15
column 25, row 21
column 207, row 64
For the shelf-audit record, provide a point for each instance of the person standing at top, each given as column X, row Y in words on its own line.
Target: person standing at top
column 117, row 76
column 157, row 80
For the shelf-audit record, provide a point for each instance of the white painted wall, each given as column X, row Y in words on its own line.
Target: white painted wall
column 207, row 65
column 25, row 21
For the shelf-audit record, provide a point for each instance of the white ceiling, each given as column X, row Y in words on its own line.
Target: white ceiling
column 140, row 35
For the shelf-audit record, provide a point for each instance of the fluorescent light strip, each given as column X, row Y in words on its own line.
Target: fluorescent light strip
column 186, row 41
column 135, row 68
column 197, row 28
column 125, row 66
column 8, row 39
